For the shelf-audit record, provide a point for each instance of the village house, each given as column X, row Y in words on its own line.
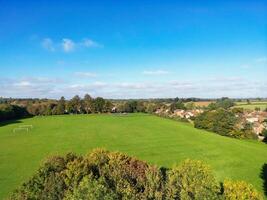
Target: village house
column 257, row 120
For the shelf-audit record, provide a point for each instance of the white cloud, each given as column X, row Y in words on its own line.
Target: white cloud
column 261, row 60
column 67, row 45
column 245, row 66
column 155, row 72
column 85, row 74
column 23, row 84
column 210, row 87
column 90, row 43
column 48, row 44
column 99, row 84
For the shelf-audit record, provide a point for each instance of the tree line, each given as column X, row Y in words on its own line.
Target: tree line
column 112, row 175
column 14, row 109
column 18, row 108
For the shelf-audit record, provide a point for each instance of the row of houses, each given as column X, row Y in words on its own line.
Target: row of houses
column 184, row 114
column 257, row 119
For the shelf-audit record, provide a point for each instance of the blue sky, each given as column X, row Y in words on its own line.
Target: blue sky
column 133, row 49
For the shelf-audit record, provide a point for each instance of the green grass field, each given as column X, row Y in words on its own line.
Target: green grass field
column 160, row 141
column 254, row 104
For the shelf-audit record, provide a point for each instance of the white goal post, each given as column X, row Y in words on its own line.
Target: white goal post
column 26, row 126
column 20, row 129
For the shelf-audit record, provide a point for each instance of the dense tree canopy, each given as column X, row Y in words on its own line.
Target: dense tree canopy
column 223, row 122
column 112, row 175
column 224, row 103
column 8, row 112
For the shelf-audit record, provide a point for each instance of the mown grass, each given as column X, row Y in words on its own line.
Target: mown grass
column 159, row 141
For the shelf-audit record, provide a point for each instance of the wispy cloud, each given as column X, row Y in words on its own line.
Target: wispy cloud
column 67, row 45
column 206, row 88
column 261, row 60
column 155, row 72
column 47, row 43
column 90, row 43
column 85, row 74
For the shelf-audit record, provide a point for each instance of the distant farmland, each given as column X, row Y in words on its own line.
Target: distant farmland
column 253, row 104
column 159, row 141
column 203, row 103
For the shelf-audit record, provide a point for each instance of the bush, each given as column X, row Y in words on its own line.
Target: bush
column 46, row 183
column 192, row 180
column 155, row 183
column 112, row 175
column 240, row 190
column 92, row 189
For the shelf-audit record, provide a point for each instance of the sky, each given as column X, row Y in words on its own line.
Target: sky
column 133, row 49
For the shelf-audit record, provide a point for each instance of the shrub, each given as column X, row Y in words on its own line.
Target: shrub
column 112, row 175
column 92, row 189
column 46, row 183
column 240, row 190
column 155, row 183
column 192, row 180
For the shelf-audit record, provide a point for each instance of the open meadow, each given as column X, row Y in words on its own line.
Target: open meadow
column 158, row 141
column 262, row 105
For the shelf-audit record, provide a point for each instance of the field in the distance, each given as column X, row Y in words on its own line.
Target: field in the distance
column 160, row 141
column 253, row 104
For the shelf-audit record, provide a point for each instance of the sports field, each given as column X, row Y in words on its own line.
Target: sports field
column 160, row 141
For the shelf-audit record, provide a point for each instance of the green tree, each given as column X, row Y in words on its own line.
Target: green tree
column 92, row 189
column 88, row 104
column 225, row 103
column 257, row 109
column 60, row 109
column 220, row 121
column 190, row 106
column 177, row 105
column 130, row 106
column 99, row 104
column 192, row 180
column 74, row 105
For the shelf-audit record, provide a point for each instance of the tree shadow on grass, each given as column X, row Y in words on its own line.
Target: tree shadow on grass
column 12, row 121
column 263, row 176
column 4, row 123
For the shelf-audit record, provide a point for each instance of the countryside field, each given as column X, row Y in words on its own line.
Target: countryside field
column 254, row 104
column 159, row 141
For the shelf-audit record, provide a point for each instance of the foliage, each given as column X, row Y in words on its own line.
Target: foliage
column 224, row 122
column 224, row 103
column 92, row 189
column 177, row 105
column 8, row 112
column 264, row 133
column 192, row 180
column 112, row 175
column 219, row 121
column 76, row 105
column 240, row 190
column 190, row 106
column 61, row 106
